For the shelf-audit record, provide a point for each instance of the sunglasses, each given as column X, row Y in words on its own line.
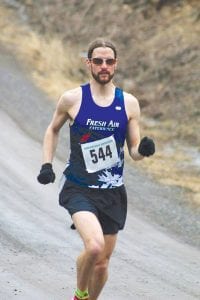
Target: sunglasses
column 99, row 61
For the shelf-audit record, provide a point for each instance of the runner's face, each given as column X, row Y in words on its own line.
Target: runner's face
column 102, row 73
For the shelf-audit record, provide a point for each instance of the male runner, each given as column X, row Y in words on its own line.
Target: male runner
column 101, row 117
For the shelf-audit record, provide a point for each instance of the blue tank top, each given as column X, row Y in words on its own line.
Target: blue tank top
column 97, row 138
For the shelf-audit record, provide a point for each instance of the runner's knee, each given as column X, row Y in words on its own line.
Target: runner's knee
column 95, row 247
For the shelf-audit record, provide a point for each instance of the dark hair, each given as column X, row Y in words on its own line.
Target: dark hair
column 101, row 42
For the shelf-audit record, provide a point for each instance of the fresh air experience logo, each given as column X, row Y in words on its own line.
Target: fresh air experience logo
column 102, row 125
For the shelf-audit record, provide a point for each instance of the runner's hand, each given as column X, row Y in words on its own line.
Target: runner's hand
column 47, row 174
column 146, row 146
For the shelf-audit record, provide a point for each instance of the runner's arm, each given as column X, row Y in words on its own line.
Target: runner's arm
column 133, row 130
column 51, row 135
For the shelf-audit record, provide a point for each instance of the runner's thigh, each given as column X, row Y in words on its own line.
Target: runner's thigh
column 88, row 226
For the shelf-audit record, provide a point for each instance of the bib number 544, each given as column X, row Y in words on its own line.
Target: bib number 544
column 101, row 154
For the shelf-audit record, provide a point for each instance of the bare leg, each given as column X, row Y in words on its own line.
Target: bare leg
column 91, row 233
column 100, row 272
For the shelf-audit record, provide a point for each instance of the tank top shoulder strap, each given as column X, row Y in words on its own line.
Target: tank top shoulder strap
column 86, row 93
column 119, row 97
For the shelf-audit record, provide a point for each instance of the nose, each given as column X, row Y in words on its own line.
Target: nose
column 104, row 65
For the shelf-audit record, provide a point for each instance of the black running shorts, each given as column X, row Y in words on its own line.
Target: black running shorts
column 109, row 205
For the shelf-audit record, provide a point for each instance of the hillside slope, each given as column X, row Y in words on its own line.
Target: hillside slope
column 158, row 45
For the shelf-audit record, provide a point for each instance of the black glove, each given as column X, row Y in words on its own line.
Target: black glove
column 146, row 146
column 47, row 174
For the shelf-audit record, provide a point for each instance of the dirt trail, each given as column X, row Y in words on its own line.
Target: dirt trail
column 153, row 259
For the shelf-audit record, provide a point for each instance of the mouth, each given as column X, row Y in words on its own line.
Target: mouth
column 103, row 73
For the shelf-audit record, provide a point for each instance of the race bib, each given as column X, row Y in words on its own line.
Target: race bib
column 99, row 155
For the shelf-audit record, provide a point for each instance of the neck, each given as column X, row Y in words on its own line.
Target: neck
column 104, row 90
column 103, row 95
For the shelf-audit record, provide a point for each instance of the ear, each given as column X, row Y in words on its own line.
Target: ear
column 88, row 63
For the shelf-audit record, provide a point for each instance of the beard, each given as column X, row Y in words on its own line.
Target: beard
column 105, row 80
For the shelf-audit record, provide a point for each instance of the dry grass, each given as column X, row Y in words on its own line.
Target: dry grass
column 46, row 57
column 50, row 63
column 172, row 164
